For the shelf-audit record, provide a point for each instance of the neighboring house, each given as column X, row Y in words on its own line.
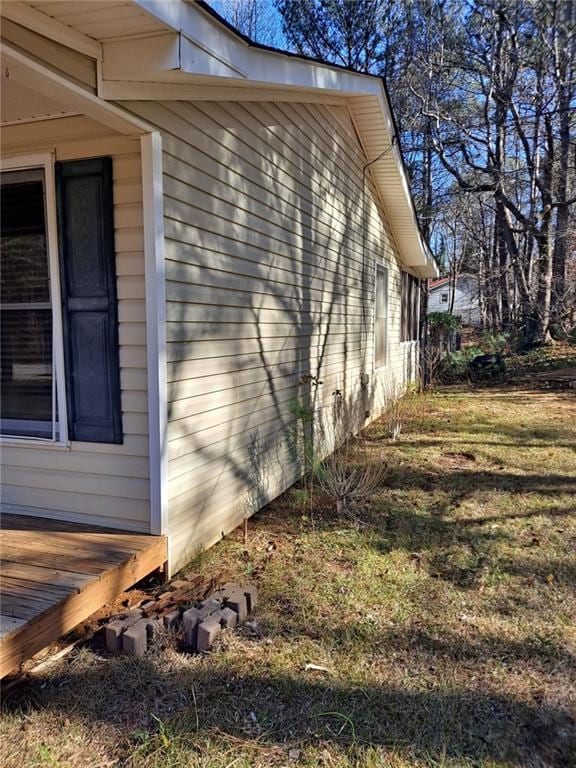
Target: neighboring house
column 192, row 227
column 459, row 296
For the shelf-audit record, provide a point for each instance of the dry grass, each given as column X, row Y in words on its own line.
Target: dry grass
column 446, row 625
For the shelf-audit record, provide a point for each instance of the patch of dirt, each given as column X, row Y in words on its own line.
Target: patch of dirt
column 458, row 459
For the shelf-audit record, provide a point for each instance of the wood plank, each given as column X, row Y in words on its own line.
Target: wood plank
column 93, row 550
column 16, row 586
column 9, row 624
column 125, row 542
column 26, row 523
column 31, row 525
column 63, row 617
column 66, row 562
column 44, row 575
column 26, row 607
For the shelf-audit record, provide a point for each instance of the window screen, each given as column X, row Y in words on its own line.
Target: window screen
column 409, row 314
column 381, row 316
column 28, row 406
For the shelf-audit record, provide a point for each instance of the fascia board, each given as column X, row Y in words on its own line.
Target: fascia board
column 45, row 25
column 226, row 55
column 33, row 75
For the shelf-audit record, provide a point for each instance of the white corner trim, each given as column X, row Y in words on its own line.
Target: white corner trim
column 153, row 205
column 45, row 25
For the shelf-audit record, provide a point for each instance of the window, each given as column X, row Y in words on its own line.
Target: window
column 31, row 356
column 381, row 316
column 59, row 356
column 410, row 307
column 444, row 298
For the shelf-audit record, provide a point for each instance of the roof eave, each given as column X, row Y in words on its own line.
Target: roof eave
column 194, row 47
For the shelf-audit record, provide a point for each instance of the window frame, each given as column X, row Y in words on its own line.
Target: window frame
column 410, row 293
column 381, row 265
column 45, row 162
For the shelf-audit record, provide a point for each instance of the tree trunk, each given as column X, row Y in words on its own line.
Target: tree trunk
column 502, row 263
column 563, row 212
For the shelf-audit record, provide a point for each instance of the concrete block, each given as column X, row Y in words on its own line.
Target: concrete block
column 213, row 604
column 237, row 602
column 171, row 619
column 224, row 592
column 113, row 634
column 135, row 639
column 154, row 627
column 251, row 594
column 190, row 620
column 208, row 631
column 132, row 614
column 114, row 629
column 228, row 618
column 192, row 617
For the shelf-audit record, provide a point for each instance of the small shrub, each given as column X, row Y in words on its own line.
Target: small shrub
column 299, row 498
column 496, row 344
column 431, row 358
column 340, row 474
column 394, row 411
column 443, row 322
column 455, row 366
column 347, row 482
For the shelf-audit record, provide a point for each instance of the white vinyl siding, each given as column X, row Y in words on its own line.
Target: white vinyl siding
column 270, row 260
column 94, row 483
column 466, row 305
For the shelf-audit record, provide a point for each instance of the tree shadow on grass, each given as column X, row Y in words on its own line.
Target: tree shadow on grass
column 483, row 443
column 466, row 481
column 278, row 711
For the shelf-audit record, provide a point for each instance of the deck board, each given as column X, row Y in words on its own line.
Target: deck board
column 54, row 575
column 44, row 574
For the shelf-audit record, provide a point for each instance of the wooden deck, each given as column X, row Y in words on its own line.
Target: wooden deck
column 54, row 575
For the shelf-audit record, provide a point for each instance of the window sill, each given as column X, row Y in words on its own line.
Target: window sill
column 20, row 442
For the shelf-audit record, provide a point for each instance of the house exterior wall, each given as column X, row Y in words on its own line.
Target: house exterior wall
column 93, row 483
column 465, row 300
column 271, row 249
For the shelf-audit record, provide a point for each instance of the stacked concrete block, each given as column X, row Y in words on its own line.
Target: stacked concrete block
column 135, row 639
column 201, row 624
column 115, row 629
column 172, row 619
column 193, row 617
column 208, row 631
column 229, row 618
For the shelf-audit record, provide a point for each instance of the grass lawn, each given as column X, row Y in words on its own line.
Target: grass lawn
column 445, row 626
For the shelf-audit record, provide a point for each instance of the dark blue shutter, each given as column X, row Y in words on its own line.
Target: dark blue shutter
column 90, row 314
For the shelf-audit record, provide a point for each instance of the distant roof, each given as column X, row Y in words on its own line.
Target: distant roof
column 437, row 282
